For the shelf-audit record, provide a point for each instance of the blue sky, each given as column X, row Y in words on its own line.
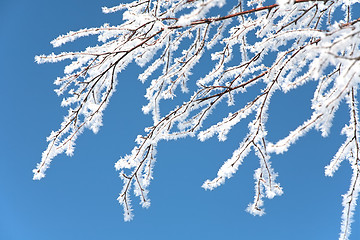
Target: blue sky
column 77, row 199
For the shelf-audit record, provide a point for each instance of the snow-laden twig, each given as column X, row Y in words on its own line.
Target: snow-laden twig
column 282, row 45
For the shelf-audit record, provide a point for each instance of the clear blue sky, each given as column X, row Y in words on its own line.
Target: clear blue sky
column 77, row 199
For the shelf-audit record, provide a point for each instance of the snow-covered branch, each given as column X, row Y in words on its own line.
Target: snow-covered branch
column 281, row 45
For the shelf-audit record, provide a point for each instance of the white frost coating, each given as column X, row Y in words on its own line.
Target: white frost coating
column 200, row 10
column 256, row 49
column 113, row 9
column 284, row 144
column 285, row 3
column 230, row 167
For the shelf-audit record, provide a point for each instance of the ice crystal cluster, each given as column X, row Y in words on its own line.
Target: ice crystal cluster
column 282, row 45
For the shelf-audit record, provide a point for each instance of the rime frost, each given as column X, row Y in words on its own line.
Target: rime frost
column 305, row 40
